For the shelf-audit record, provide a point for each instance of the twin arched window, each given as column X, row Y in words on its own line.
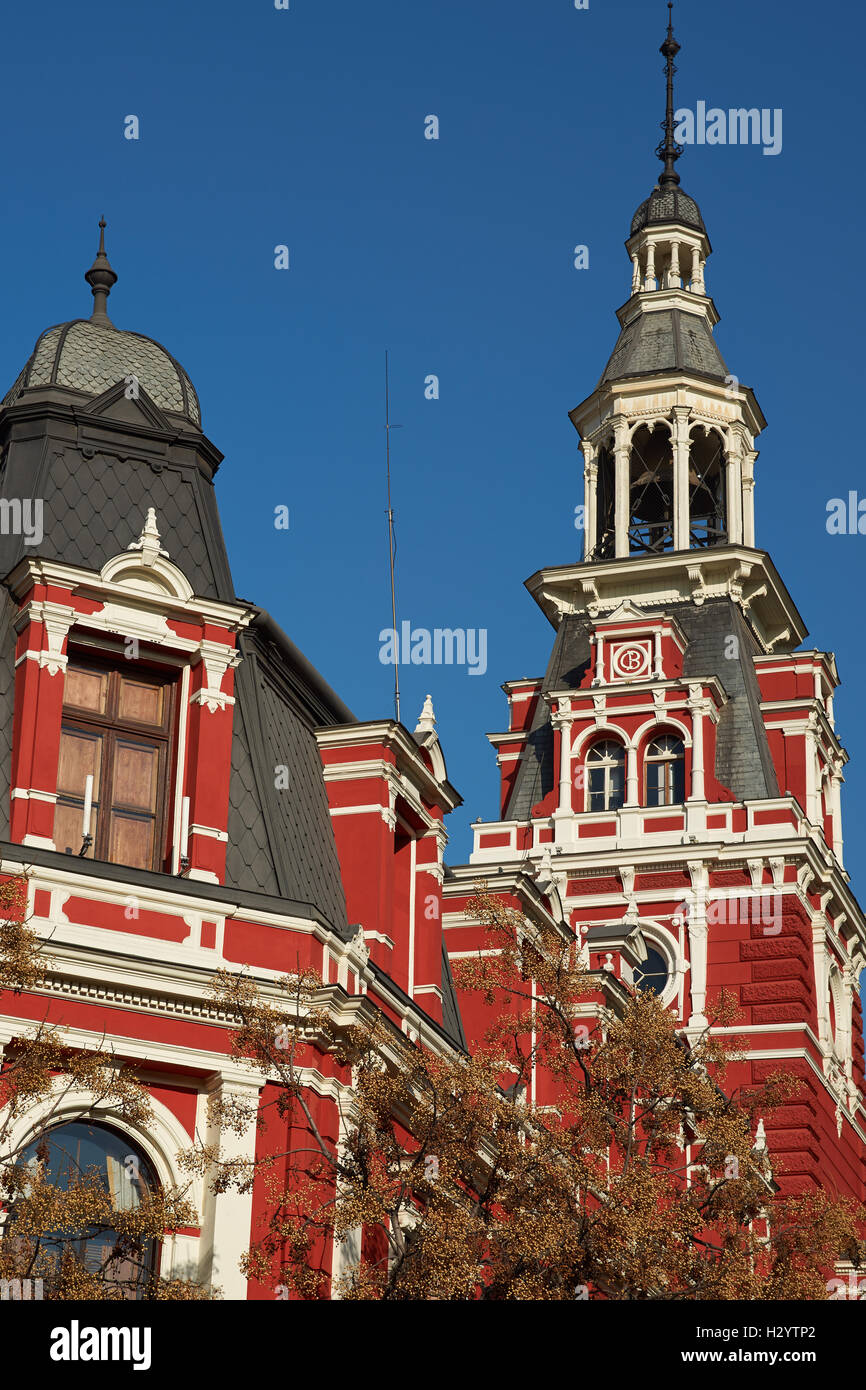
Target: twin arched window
column 664, row 774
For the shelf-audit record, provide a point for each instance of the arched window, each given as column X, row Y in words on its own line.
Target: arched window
column 665, row 772
column 653, row 973
column 605, row 776
column 707, row 500
column 651, row 490
column 82, row 1150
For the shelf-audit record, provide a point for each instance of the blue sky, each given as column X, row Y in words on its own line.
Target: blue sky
column 305, row 127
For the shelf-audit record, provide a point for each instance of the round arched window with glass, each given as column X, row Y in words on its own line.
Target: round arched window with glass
column 653, row 973
column 605, row 776
column 84, row 1154
column 665, row 772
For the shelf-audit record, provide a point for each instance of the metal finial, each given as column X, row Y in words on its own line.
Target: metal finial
column 101, row 277
column 668, row 150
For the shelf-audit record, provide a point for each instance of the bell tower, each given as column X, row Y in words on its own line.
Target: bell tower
column 671, row 786
column 668, row 435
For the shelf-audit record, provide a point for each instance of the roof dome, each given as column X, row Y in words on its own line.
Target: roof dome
column 669, row 204
column 91, row 355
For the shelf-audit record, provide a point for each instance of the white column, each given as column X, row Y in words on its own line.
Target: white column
column 632, row 791
column 847, row 1016
column 622, row 450
column 650, row 278
column 658, row 670
column 748, row 465
column 836, row 809
column 697, row 924
column 563, row 720
column 590, row 496
column 734, row 491
column 598, row 678
column 813, row 791
column 822, row 983
column 696, row 263
column 226, row 1227
column 674, row 280
column 698, row 709
column 681, row 477
column 635, row 272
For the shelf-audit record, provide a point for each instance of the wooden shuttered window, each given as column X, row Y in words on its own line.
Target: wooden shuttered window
column 117, row 728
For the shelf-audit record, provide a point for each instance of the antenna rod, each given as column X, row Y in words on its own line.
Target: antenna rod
column 391, row 545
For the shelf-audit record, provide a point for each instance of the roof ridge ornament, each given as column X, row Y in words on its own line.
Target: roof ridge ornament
column 668, row 150
column 426, row 719
column 101, row 277
column 148, row 541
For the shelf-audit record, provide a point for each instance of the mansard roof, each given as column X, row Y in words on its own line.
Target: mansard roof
column 665, row 340
column 744, row 763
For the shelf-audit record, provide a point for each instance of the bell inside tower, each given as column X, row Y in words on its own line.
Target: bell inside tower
column 651, row 491
column 659, row 477
column 707, row 493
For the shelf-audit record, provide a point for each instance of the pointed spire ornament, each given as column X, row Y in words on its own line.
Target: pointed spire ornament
column 668, row 150
column 426, row 719
column 148, row 541
column 101, row 277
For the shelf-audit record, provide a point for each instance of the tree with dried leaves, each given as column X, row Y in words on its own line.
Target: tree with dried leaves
column 63, row 1227
column 636, row 1176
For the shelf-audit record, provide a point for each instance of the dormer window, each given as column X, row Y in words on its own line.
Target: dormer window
column 116, row 729
column 665, row 772
column 605, row 780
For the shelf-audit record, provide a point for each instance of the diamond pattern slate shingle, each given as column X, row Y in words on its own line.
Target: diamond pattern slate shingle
column 280, row 836
column 94, row 507
column 667, row 205
column 89, row 357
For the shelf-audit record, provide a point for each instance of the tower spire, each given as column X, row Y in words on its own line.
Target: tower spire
column 668, row 150
column 101, row 277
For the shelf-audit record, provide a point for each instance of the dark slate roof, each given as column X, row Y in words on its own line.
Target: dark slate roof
column 8, row 612
column 280, row 841
column 93, row 507
column 743, row 760
column 451, row 1020
column 667, row 205
column 568, row 663
column 666, row 340
column 90, row 357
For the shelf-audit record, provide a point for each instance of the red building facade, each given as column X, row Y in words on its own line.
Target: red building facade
column 184, row 792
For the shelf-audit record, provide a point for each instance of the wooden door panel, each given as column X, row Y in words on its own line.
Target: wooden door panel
column 135, row 776
column 86, row 689
column 141, row 701
column 131, row 840
column 67, row 827
column 80, row 754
